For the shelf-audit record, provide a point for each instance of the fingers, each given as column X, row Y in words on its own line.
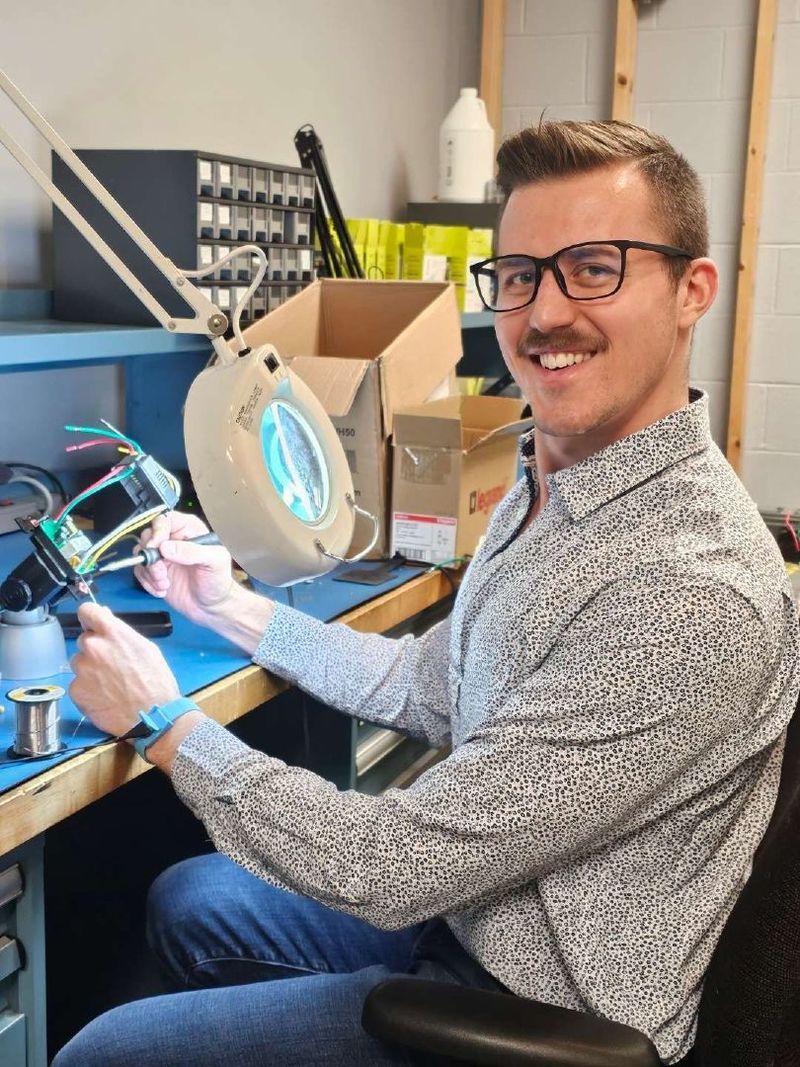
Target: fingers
column 155, row 584
column 191, row 555
column 172, row 525
column 95, row 617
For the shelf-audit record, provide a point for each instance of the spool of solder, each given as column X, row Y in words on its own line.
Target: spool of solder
column 37, row 720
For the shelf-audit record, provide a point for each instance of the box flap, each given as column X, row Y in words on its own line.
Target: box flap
column 362, row 319
column 425, row 351
column 463, row 422
column 474, row 439
column 334, row 382
column 422, row 428
column 294, row 327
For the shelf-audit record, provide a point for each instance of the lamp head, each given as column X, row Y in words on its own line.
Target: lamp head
column 268, row 468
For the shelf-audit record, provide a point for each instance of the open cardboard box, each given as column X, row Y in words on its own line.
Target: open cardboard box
column 454, row 461
column 367, row 349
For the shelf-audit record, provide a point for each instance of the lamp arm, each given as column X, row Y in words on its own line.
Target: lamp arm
column 208, row 319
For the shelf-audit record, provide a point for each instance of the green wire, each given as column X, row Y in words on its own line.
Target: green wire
column 447, row 562
column 106, row 432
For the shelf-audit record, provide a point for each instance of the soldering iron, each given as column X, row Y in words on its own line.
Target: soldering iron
column 145, row 557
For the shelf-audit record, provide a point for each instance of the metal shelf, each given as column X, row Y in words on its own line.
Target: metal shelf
column 25, row 344
column 28, row 339
column 472, row 320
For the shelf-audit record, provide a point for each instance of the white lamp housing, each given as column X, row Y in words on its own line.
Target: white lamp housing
column 268, row 468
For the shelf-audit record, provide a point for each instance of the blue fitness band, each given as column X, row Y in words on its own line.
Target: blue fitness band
column 155, row 722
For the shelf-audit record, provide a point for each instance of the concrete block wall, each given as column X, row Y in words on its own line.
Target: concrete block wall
column 693, row 76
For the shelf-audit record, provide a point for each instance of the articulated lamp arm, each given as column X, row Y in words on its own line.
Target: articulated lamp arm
column 208, row 319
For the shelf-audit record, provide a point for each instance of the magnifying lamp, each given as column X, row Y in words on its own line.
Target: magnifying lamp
column 266, row 462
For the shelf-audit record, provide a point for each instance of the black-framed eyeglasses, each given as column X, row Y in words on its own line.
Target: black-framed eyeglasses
column 586, row 271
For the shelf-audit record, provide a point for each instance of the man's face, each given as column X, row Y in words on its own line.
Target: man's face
column 630, row 374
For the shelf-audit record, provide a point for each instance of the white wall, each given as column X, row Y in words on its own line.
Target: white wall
column 694, row 68
column 374, row 77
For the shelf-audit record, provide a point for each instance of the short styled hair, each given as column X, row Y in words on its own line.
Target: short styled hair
column 558, row 149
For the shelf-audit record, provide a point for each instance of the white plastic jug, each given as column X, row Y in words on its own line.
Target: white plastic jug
column 466, row 150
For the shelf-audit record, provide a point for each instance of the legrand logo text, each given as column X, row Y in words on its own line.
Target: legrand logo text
column 485, row 501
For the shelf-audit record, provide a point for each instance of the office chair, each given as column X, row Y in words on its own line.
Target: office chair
column 749, row 1013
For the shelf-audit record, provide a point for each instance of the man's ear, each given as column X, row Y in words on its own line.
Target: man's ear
column 697, row 291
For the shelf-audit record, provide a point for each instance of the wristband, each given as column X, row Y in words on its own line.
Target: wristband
column 155, row 723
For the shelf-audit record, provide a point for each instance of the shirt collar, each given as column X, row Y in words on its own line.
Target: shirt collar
column 598, row 479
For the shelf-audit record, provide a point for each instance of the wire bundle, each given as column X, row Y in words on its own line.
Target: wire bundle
column 119, row 473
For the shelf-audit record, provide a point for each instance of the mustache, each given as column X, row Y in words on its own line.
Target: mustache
column 562, row 341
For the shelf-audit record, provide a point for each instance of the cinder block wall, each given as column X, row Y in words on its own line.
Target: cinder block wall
column 694, row 67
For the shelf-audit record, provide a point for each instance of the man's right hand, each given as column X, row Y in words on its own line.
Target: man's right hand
column 195, row 580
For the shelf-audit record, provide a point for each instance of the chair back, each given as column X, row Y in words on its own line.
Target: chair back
column 749, row 1012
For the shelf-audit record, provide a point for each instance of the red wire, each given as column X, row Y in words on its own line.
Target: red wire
column 92, row 443
column 787, row 522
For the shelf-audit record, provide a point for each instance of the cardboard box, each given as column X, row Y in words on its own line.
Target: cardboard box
column 367, row 349
column 454, row 461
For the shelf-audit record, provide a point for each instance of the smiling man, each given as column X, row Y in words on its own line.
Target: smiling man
column 615, row 682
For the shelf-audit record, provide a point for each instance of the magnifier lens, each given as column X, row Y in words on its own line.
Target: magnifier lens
column 295, row 461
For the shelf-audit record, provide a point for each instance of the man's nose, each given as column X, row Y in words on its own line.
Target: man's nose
column 551, row 308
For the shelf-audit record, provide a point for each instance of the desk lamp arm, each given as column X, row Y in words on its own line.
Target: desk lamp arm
column 208, row 319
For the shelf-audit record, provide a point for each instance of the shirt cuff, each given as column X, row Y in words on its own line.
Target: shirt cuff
column 290, row 642
column 209, row 765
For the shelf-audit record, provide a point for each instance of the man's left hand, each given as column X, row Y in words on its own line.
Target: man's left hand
column 118, row 673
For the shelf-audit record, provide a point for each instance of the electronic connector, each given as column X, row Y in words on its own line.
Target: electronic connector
column 148, row 485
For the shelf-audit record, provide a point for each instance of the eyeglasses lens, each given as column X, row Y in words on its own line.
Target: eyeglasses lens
column 588, row 272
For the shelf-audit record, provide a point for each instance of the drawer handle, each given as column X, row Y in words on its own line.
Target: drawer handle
column 10, row 961
column 11, row 885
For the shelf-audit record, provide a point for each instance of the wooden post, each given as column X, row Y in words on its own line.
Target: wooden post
column 491, row 88
column 624, row 61
column 751, row 216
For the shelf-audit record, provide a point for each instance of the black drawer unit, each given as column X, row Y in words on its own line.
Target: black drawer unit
column 195, row 207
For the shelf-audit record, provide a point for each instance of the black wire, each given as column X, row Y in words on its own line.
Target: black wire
column 42, row 470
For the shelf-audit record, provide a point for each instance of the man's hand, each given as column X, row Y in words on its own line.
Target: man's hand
column 118, row 673
column 196, row 580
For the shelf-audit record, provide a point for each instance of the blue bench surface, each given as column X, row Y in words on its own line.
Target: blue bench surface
column 197, row 656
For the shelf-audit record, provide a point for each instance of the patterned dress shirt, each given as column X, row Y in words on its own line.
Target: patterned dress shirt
column 615, row 681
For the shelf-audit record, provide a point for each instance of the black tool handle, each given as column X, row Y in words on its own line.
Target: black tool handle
column 148, row 556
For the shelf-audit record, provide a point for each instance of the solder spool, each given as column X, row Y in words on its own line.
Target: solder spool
column 37, row 720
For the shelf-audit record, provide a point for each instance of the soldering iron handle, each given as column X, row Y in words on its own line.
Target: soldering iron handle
column 152, row 555
column 205, row 539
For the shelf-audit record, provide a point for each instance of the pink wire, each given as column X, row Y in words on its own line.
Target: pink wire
column 92, row 443
column 787, row 522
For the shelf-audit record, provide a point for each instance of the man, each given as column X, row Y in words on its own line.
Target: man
column 615, row 681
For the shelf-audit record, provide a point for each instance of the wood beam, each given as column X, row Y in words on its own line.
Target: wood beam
column 751, row 218
column 624, row 60
column 493, row 22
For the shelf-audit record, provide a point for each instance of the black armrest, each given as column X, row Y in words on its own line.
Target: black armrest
column 497, row 1029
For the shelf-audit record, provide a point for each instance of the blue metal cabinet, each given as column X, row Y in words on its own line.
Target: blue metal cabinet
column 23, row 1034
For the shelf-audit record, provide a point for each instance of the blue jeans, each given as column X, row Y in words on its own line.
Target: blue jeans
column 265, row 977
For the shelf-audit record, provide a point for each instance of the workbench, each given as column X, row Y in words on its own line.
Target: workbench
column 226, row 686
